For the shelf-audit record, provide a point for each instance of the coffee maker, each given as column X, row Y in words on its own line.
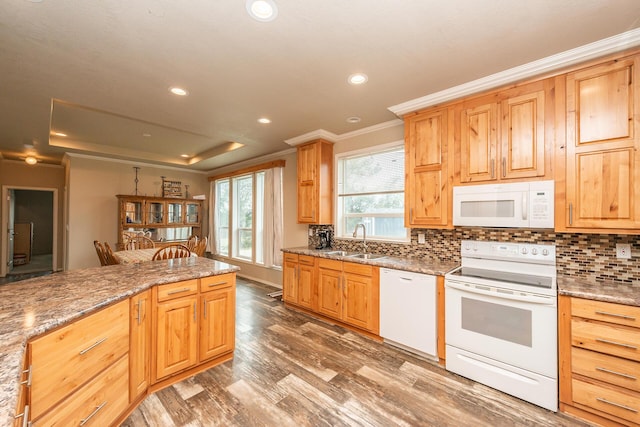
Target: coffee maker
column 324, row 239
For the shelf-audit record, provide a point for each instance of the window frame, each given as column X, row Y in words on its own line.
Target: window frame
column 339, row 219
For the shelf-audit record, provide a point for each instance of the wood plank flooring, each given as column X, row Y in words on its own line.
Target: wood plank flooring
column 292, row 370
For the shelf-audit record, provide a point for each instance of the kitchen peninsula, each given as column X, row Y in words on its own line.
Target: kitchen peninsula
column 44, row 312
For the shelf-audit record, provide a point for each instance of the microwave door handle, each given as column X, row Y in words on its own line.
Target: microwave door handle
column 525, row 208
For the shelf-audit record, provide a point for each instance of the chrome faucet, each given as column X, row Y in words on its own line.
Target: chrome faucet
column 364, row 235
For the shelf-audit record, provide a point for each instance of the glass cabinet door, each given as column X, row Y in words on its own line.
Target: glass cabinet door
column 193, row 213
column 132, row 212
column 155, row 212
column 174, row 213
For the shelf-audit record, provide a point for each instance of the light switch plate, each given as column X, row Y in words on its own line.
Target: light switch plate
column 420, row 237
column 311, row 232
column 623, row 251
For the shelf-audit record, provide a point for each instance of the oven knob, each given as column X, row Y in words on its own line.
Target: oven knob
column 545, row 252
column 534, row 251
column 524, row 251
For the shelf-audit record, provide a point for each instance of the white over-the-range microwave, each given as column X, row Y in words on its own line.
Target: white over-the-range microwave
column 520, row 204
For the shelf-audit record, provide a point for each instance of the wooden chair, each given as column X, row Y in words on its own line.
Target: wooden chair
column 191, row 243
column 172, row 251
column 102, row 256
column 111, row 260
column 139, row 242
column 200, row 247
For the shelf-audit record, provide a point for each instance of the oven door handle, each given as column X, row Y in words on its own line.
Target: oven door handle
column 528, row 298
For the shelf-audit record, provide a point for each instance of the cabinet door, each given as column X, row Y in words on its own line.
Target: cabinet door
column 306, row 285
column 290, row 279
column 307, row 183
column 602, row 168
column 330, row 292
column 176, row 344
column 478, row 143
column 192, row 213
column 361, row 297
column 523, row 136
column 426, row 186
column 140, row 344
column 217, row 322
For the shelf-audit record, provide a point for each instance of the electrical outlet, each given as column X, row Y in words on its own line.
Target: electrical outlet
column 421, row 238
column 623, row 251
column 311, row 232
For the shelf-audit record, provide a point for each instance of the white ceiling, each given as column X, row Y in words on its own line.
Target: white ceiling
column 104, row 68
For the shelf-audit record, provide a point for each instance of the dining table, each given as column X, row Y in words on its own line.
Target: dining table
column 134, row 256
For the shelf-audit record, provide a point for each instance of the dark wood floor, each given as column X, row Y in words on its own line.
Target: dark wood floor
column 292, row 370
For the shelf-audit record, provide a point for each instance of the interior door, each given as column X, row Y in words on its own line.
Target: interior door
column 10, row 229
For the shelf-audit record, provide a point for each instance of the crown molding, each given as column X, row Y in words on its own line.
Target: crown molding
column 69, row 155
column 589, row 51
column 332, row 137
column 370, row 129
column 309, row 136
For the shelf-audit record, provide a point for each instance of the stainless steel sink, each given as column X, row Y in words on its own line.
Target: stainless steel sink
column 367, row 256
column 339, row 253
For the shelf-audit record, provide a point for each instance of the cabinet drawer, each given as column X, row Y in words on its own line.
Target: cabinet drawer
column 290, row 257
column 98, row 403
column 212, row 283
column 606, row 338
column 613, row 370
column 355, row 268
column 611, row 400
column 65, row 359
column 177, row 290
column 331, row 264
column 307, row 260
column 606, row 312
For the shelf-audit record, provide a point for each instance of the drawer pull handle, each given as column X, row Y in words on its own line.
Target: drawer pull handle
column 178, row 291
column 621, row 316
column 211, row 285
column 91, row 415
column 617, row 405
column 608, row 371
column 25, row 416
column 27, row 382
column 632, row 347
column 92, row 346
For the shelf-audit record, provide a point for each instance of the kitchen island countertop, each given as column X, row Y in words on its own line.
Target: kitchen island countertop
column 605, row 290
column 417, row 265
column 34, row 306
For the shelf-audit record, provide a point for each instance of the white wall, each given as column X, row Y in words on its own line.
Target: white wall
column 93, row 207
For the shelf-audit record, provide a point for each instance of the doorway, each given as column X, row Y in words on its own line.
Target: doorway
column 31, row 239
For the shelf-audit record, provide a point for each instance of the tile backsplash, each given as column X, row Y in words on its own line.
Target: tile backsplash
column 589, row 256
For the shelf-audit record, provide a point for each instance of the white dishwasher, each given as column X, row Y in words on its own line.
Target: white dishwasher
column 408, row 317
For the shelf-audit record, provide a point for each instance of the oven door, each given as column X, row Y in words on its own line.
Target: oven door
column 513, row 327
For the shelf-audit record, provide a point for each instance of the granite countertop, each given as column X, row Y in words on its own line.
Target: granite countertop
column 417, row 265
column 608, row 291
column 31, row 307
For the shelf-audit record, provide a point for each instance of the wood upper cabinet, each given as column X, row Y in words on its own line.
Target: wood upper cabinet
column 217, row 318
column 427, row 140
column 602, row 166
column 502, row 135
column 299, row 280
column 350, row 292
column 315, row 182
column 140, row 344
column 599, row 360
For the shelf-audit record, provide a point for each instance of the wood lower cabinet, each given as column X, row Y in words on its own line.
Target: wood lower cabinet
column 350, row 292
column 140, row 344
column 602, row 163
column 299, row 284
column 315, row 182
column 217, row 325
column 64, row 360
column 600, row 361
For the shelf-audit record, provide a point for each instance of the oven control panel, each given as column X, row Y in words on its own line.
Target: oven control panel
column 526, row 252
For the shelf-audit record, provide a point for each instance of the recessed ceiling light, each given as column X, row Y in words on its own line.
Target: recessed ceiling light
column 358, row 79
column 178, row 91
column 146, row 135
column 264, row 120
column 186, row 156
column 31, row 160
column 262, row 10
column 59, row 134
column 353, row 119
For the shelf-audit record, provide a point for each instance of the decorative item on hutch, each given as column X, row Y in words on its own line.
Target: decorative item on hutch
column 171, row 189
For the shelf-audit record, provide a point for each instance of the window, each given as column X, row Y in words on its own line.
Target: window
column 371, row 191
column 247, row 209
